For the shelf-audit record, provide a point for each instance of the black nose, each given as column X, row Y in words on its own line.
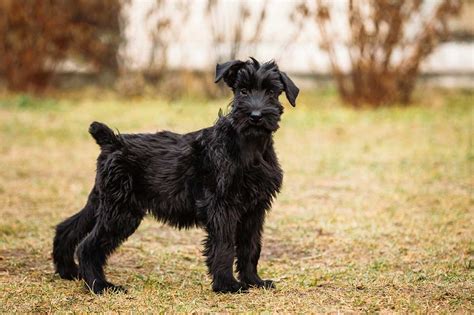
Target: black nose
column 255, row 116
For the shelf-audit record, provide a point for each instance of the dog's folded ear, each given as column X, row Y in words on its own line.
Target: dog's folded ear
column 228, row 71
column 291, row 90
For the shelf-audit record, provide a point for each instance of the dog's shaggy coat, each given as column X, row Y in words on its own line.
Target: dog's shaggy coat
column 222, row 178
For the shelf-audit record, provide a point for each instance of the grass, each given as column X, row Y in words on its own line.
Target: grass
column 376, row 213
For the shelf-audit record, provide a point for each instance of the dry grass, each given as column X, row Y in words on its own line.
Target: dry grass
column 376, row 212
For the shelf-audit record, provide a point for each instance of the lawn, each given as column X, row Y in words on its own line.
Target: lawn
column 376, row 213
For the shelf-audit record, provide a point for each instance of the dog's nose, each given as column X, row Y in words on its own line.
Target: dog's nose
column 255, row 116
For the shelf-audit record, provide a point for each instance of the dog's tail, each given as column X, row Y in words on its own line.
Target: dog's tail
column 103, row 135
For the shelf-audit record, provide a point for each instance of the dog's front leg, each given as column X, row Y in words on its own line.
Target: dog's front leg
column 249, row 244
column 219, row 249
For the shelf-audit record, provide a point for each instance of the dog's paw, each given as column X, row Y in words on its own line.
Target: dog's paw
column 107, row 287
column 264, row 284
column 68, row 273
column 267, row 284
column 230, row 287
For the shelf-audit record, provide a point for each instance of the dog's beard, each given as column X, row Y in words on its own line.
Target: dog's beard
column 250, row 130
column 243, row 125
column 253, row 142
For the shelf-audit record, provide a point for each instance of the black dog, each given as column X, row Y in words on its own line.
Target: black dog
column 222, row 178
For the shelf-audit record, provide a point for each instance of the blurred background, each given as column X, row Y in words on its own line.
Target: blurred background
column 376, row 210
column 373, row 51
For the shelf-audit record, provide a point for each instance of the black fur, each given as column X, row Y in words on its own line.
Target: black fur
column 222, row 179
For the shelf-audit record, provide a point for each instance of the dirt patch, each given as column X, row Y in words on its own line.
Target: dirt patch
column 21, row 261
column 277, row 248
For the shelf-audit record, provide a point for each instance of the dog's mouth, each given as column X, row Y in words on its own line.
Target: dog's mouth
column 261, row 127
column 251, row 127
column 256, row 123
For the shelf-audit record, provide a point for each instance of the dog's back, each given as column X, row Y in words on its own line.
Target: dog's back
column 157, row 169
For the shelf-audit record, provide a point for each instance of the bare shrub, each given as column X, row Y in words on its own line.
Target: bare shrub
column 236, row 27
column 168, row 18
column 36, row 36
column 387, row 41
column 165, row 20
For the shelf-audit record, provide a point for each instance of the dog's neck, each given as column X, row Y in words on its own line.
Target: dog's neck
column 253, row 148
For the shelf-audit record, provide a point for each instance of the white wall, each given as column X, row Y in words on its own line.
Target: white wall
column 193, row 47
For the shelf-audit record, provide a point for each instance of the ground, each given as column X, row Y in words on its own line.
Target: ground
column 376, row 213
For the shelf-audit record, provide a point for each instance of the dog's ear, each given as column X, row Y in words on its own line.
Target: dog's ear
column 228, row 71
column 291, row 90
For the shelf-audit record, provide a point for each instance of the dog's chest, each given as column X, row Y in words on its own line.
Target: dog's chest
column 258, row 183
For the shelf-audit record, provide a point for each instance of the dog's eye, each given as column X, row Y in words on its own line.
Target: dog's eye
column 244, row 92
column 270, row 92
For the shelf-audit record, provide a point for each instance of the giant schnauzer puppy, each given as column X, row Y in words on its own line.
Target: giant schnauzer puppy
column 222, row 178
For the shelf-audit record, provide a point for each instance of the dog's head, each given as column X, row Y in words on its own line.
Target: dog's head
column 255, row 107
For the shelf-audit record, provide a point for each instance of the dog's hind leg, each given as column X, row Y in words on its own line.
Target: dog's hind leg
column 118, row 216
column 113, row 227
column 69, row 233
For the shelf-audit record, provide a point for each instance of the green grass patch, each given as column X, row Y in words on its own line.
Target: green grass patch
column 375, row 213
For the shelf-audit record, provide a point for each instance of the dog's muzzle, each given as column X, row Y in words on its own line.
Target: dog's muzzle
column 256, row 118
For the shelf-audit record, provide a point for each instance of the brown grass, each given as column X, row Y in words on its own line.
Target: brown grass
column 376, row 212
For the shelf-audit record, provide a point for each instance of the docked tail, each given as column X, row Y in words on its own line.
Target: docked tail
column 103, row 135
